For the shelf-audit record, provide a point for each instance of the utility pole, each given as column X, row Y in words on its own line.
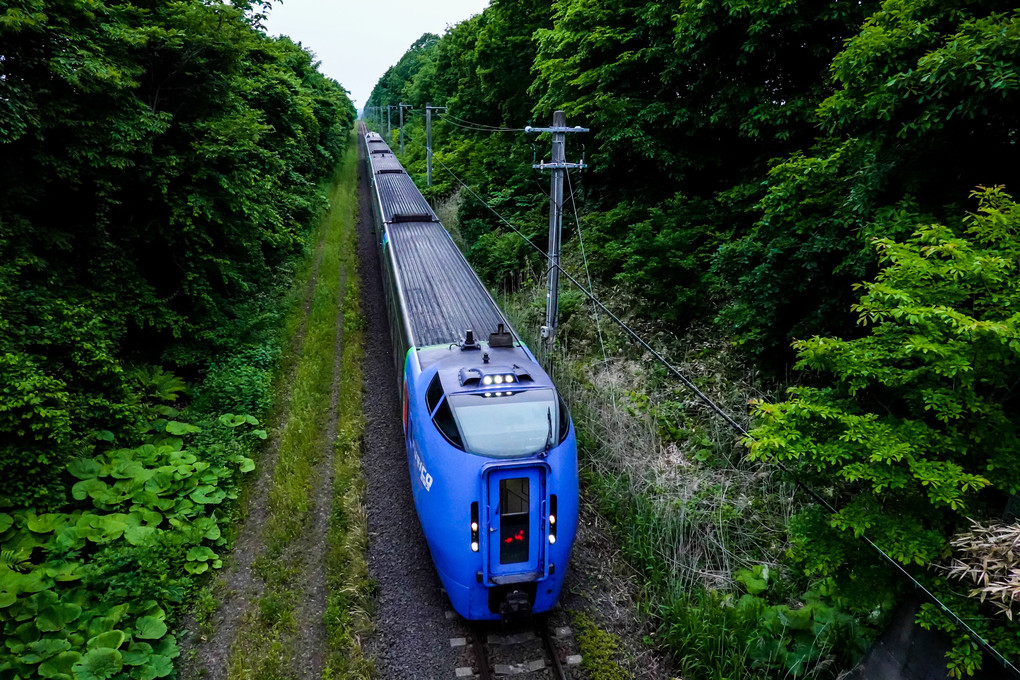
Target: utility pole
column 402, row 107
column 558, row 166
column 389, row 126
column 428, row 139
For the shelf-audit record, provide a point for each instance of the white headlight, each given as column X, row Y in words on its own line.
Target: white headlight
column 487, row 380
column 498, row 379
column 552, row 538
column 509, row 378
column 474, row 545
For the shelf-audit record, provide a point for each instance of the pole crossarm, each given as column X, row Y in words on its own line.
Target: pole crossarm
column 576, row 128
column 559, row 166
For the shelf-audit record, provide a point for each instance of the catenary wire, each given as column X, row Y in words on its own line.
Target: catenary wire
column 705, row 399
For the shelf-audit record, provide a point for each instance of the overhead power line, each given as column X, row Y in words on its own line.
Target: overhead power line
column 708, row 401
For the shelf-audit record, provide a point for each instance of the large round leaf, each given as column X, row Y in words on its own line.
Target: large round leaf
column 174, row 427
column 44, row 524
column 129, row 469
column 200, row 553
column 138, row 535
column 59, row 665
column 88, row 487
column 5, row 521
column 56, row 617
column 85, row 468
column 161, row 480
column 208, row 494
column 137, row 654
column 149, row 628
column 98, row 664
column 111, row 638
column 36, row 652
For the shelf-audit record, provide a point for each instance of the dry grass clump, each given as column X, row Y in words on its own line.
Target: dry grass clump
column 989, row 557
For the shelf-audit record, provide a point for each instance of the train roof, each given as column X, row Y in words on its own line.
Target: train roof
column 443, row 296
column 401, row 201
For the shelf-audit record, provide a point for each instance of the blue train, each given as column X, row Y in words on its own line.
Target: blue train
column 490, row 445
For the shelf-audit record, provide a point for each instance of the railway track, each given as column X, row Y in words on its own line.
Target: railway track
column 525, row 653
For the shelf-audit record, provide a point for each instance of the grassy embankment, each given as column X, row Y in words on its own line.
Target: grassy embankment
column 669, row 476
column 267, row 643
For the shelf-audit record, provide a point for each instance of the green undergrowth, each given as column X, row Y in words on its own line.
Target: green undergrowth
column 93, row 591
column 704, row 528
column 265, row 645
column 599, row 649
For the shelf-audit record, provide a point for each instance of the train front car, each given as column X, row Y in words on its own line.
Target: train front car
column 490, row 445
column 494, row 473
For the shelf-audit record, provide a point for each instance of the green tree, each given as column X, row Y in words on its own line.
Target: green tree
column 922, row 111
column 917, row 430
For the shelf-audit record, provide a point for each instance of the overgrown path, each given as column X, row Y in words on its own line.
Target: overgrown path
column 289, row 604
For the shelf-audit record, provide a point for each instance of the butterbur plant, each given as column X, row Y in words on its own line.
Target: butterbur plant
column 76, row 587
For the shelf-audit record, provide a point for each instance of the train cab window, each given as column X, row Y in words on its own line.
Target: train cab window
column 564, row 419
column 514, row 506
column 433, row 394
column 446, row 424
column 507, row 424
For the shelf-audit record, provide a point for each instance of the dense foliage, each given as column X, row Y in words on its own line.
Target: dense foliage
column 160, row 164
column 745, row 156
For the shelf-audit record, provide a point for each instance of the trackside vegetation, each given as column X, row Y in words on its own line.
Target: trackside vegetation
column 162, row 167
column 805, row 196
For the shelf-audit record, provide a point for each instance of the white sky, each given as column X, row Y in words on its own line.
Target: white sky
column 357, row 41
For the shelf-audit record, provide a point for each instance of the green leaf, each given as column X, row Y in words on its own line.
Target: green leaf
column 168, row 647
column 112, row 639
column 149, row 628
column 208, row 494
column 200, row 553
column 56, row 617
column 176, row 428
column 5, row 522
column 88, row 487
column 247, row 465
column 137, row 653
column 85, row 468
column 139, row 535
column 44, row 524
column 157, row 667
column 61, row 664
column 98, row 664
column 44, row 649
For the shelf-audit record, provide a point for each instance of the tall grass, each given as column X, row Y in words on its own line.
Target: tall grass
column 265, row 645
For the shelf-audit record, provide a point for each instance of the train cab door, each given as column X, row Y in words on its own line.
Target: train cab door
column 515, row 530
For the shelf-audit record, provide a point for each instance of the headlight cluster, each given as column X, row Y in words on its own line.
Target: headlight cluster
column 499, row 379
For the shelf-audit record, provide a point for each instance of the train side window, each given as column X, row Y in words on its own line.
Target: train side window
column 447, row 425
column 433, row 394
column 564, row 420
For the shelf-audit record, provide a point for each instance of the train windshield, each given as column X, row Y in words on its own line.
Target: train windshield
column 508, row 423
